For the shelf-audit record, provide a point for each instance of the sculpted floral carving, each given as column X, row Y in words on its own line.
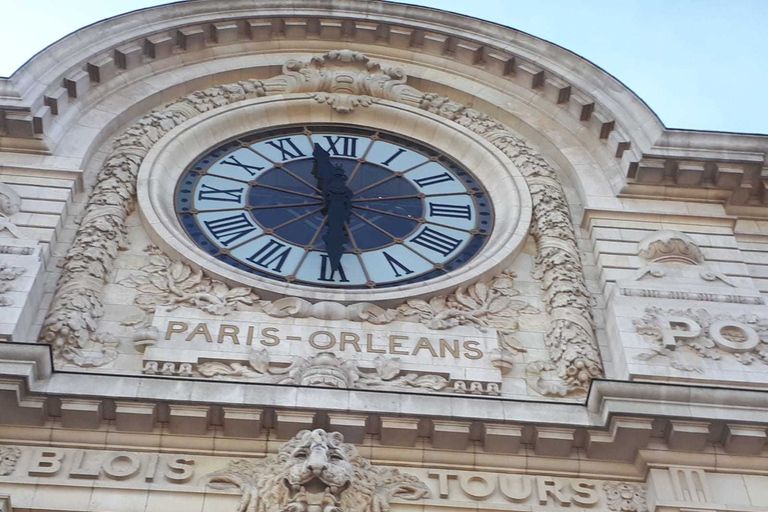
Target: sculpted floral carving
column 8, row 274
column 480, row 305
column 73, row 316
column 625, row 497
column 9, row 455
column 325, row 370
column 166, row 282
column 316, row 471
column 344, row 79
column 744, row 337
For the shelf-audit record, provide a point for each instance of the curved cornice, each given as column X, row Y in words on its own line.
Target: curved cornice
column 104, row 55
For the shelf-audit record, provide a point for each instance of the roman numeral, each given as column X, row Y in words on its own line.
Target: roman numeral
column 396, row 264
column 228, row 229
column 349, row 146
column 230, row 195
column 436, row 241
column 250, row 169
column 326, row 274
column 390, row 159
column 287, row 148
column 271, row 254
column 434, row 180
column 450, row 210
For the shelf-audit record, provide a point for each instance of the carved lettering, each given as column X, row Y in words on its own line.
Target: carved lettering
column 46, row 462
column 121, row 465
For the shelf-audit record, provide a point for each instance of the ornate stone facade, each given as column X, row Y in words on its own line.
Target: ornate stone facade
column 605, row 349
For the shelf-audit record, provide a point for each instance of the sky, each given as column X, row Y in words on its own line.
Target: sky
column 699, row 64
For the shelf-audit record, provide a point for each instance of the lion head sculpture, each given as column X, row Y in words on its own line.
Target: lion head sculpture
column 316, row 471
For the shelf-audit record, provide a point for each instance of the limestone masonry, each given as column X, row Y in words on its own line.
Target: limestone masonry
column 361, row 256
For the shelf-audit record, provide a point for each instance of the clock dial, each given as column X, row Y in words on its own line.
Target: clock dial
column 334, row 206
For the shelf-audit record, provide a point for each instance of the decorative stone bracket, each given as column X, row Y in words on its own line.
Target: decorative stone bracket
column 345, row 80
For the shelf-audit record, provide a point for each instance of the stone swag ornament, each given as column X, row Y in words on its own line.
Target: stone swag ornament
column 316, row 471
column 345, row 80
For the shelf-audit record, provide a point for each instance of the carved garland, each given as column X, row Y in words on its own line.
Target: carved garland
column 344, row 79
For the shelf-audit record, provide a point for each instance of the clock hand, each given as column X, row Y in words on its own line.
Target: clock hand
column 337, row 197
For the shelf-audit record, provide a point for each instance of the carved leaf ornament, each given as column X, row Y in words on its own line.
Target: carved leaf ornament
column 345, row 80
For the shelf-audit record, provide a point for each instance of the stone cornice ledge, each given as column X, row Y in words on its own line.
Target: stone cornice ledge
column 618, row 419
column 609, row 398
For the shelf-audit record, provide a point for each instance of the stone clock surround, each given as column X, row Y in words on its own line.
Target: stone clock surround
column 167, row 159
column 344, row 80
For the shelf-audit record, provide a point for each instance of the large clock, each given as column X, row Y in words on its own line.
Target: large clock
column 334, row 206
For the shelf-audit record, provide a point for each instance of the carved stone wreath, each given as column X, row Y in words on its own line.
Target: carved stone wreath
column 344, row 79
column 316, row 471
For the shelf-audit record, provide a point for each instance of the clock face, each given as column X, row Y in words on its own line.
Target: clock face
column 334, row 206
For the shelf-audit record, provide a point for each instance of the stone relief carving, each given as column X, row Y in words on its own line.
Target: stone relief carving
column 72, row 319
column 10, row 205
column 8, row 274
column 325, row 369
column 625, row 497
column 167, row 282
column 344, row 79
column 480, row 305
column 9, row 455
column 669, row 246
column 744, row 337
column 316, row 471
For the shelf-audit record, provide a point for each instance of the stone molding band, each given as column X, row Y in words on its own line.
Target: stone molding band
column 344, row 80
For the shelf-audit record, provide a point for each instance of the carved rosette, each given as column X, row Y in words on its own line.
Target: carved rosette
column 625, row 497
column 316, row 471
column 344, row 79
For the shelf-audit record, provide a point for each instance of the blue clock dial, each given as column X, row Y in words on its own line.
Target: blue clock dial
column 334, row 206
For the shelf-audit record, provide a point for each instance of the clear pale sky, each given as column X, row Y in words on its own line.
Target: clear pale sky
column 700, row 64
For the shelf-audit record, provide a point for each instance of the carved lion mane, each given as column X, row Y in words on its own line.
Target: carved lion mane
column 316, row 472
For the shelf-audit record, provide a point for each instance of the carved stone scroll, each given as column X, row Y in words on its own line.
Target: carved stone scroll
column 344, row 79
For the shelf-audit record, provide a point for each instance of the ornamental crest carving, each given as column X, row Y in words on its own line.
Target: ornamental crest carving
column 743, row 337
column 316, row 471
